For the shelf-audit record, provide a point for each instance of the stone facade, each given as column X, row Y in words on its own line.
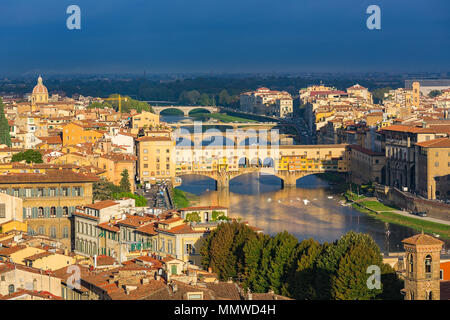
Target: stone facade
column 422, row 259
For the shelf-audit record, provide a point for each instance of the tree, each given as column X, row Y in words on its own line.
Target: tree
column 140, row 201
column 223, row 249
column 434, row 93
column 205, row 100
column 103, row 189
column 189, row 97
column 125, row 185
column 378, row 94
column 224, row 98
column 350, row 281
column 5, row 137
column 30, row 156
column 302, row 276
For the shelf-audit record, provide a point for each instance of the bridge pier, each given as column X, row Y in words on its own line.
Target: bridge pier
column 222, row 182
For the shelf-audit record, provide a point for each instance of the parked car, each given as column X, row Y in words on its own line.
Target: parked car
column 421, row 214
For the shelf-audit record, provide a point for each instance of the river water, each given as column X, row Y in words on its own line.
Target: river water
column 311, row 210
column 260, row 200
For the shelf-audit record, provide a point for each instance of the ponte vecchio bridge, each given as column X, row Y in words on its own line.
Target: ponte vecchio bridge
column 287, row 162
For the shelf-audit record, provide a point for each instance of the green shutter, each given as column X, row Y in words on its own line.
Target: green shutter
column 34, row 212
column 46, row 212
column 24, row 213
column 59, row 212
column 33, row 192
column 81, row 191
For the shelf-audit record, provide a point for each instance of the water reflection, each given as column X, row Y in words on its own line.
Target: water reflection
column 309, row 211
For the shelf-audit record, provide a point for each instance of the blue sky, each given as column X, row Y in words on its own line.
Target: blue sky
column 223, row 36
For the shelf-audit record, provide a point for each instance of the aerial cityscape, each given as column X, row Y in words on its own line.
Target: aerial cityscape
column 259, row 184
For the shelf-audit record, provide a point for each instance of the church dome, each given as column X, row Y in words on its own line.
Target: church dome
column 40, row 88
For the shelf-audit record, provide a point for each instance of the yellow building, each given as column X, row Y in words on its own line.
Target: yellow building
column 433, row 168
column 18, row 253
column 49, row 199
column 74, row 133
column 155, row 159
column 115, row 163
column 48, row 261
column 145, row 119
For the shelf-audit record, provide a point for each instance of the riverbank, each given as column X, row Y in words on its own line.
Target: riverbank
column 183, row 199
column 388, row 214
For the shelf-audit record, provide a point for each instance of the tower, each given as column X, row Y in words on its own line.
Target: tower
column 40, row 93
column 416, row 93
column 422, row 258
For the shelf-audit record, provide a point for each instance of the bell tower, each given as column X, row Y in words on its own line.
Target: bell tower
column 416, row 93
column 422, row 259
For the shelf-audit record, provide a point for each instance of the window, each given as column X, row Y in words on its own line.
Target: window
column 53, row 232
column 77, row 191
column 52, row 212
column 65, row 233
column 40, row 192
column 28, row 212
column 411, row 263
column 441, row 274
column 11, row 289
column 195, row 296
column 64, row 192
column 41, row 230
column 52, row 192
column 65, row 211
column 428, row 268
column 28, row 193
column 40, row 212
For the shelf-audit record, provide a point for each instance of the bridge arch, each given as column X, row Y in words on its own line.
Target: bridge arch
column 243, row 162
column 173, row 111
column 198, row 110
column 268, row 162
column 256, row 162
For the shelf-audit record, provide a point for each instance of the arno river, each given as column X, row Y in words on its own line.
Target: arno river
column 311, row 210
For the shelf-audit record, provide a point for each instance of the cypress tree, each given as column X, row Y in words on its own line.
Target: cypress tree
column 5, row 138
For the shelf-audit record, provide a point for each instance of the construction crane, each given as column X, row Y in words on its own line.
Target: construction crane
column 119, row 98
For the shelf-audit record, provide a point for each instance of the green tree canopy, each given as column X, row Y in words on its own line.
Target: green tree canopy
column 30, row 156
column 5, row 137
column 434, row 93
column 125, row 185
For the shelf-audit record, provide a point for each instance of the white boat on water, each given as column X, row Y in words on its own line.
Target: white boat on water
column 269, row 199
column 330, row 197
column 305, row 201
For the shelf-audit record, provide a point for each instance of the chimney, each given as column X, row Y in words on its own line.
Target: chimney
column 95, row 261
column 174, row 287
column 209, row 270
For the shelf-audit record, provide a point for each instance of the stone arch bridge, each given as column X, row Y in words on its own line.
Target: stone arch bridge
column 185, row 109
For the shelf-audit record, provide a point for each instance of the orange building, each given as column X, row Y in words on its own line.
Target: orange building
column 74, row 133
column 115, row 163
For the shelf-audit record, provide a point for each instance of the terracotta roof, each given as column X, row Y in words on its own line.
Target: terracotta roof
column 135, row 221
column 109, row 226
column 147, row 229
column 154, row 139
column 81, row 214
column 38, row 256
column 366, row 151
column 48, row 177
column 102, row 204
column 203, row 208
column 8, row 251
column 181, row 229
column 422, row 239
column 435, row 143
